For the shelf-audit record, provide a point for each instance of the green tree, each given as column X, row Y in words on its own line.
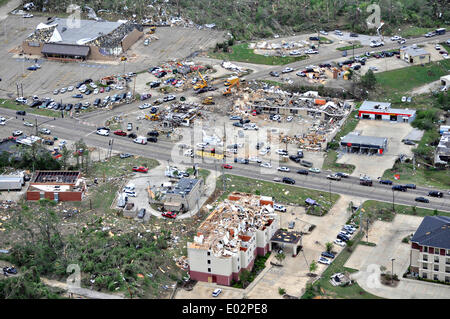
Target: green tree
column 244, row 277
column 280, row 257
column 368, row 80
column 313, row 266
column 329, row 246
column 281, row 291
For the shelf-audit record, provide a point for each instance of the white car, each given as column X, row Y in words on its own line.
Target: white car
column 22, row 100
column 289, row 118
column 395, row 38
column 189, row 152
column 324, row 261
column 266, row 165
column 119, row 87
column 70, row 88
column 287, row 70
column 323, row 32
column 2, row 123
column 86, row 104
column 284, row 169
column 216, row 292
column 264, row 151
column 255, row 159
column 62, row 143
column 279, row 208
column 144, row 106
column 339, row 242
column 130, row 193
column 437, row 47
column 28, row 123
column 281, row 152
column 45, row 131
column 96, row 91
column 56, row 91
column 63, row 90
column 350, row 227
column 403, row 98
column 17, row 133
column 311, row 51
column 373, row 68
column 314, row 170
column 201, row 145
column 2, row 119
column 103, row 132
column 93, row 85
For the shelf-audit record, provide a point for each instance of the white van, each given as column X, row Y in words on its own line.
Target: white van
column 140, row 140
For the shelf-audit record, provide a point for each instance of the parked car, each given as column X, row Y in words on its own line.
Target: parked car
column 103, row 132
column 284, row 169
column 227, row 166
column 400, row 188
column 314, row 170
column 385, row 181
column 141, row 213
column 45, row 131
column 291, row 225
column 120, row 133
column 342, row 237
column 288, row 180
column 334, row 177
column 266, row 165
column 422, row 199
column 140, row 169
column 327, row 254
column 152, row 139
column 169, row 215
column 412, row 186
column 153, row 133
column 17, row 133
column 302, row 172
column 216, row 292
column 306, row 163
column 339, row 242
column 125, row 155
column 341, row 174
column 324, row 261
column 279, row 208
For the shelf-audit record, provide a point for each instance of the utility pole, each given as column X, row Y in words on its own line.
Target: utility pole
column 393, row 207
column 392, row 273
column 330, row 191
column 21, row 86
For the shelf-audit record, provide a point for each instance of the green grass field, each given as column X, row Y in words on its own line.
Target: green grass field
column 119, row 166
column 420, row 176
column 241, row 53
column 330, row 164
column 281, row 193
column 349, row 47
column 19, row 107
column 397, row 82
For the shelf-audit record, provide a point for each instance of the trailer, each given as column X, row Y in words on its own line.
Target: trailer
column 11, row 182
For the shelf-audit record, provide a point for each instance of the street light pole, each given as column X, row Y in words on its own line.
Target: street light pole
column 392, row 273
column 393, row 207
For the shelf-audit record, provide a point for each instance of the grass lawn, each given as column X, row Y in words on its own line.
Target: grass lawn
column 420, row 176
column 397, row 82
column 411, row 31
column 281, row 193
column 375, row 209
column 20, row 107
column 330, row 164
column 349, row 47
column 119, row 166
column 241, row 53
column 203, row 173
column 349, row 292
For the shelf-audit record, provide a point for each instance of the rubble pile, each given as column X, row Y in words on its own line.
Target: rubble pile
column 230, row 225
column 41, row 35
column 114, row 39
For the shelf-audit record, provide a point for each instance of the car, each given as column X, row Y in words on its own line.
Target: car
column 120, row 133
column 17, row 133
column 422, row 199
column 400, row 188
column 395, row 38
column 227, row 166
column 153, row 133
column 350, row 227
column 169, row 98
column 334, row 177
column 125, row 155
column 152, row 139
column 281, row 152
column 2, row 123
column 144, row 106
column 295, row 158
column 274, row 74
column 255, row 159
column 55, row 92
column 412, row 186
column 342, row 237
column 323, row 32
column 284, row 169
column 155, row 84
column 10, row 270
column 373, row 68
column 87, row 92
column 216, row 292
column 408, row 142
column 291, row 225
column 339, row 242
column 241, row 160
column 409, row 99
column 21, row 100
column 306, row 163
column 141, row 213
column 21, row 113
column 266, row 165
column 130, row 193
column 140, row 169
column 385, row 181
column 313, row 38
column 77, row 96
column 287, row 70
column 169, row 215
column 288, row 180
column 327, row 254
column 302, row 172
column 45, row 131
column 129, row 126
column 102, row 132
column 26, row 123
column 279, row 208
column 314, row 170
column 435, row 194
column 401, row 41
column 323, row 260
column 235, row 118
column 311, row 51
column 341, row 174
column 132, row 135
column 346, row 232
column 301, row 73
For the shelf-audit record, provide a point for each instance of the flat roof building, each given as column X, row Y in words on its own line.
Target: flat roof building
column 66, row 39
column 415, row 55
column 184, row 195
column 228, row 241
column 383, row 111
column 355, row 143
column 57, row 186
column 442, row 156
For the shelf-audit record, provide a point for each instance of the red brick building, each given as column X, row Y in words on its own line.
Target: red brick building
column 66, row 186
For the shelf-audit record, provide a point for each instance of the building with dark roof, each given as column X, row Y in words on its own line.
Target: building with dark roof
column 355, row 143
column 430, row 249
column 184, row 195
column 65, row 39
column 57, row 186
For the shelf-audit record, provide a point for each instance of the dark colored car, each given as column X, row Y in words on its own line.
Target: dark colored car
column 365, row 182
column 385, row 181
column 141, row 213
column 9, row 270
column 313, row 38
column 238, row 124
column 342, row 237
column 48, row 142
column 328, row 255
column 36, row 103
column 354, row 35
column 306, row 163
column 87, row 92
column 303, row 172
column 400, row 188
column 77, row 96
column 288, row 180
column 153, row 133
column 152, row 139
column 275, row 74
column 295, row 158
column 422, row 199
column 96, row 102
column 435, row 194
column 155, row 84
column 412, row 186
column 132, row 135
column 77, row 106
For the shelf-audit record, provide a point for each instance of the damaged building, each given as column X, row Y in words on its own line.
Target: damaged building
column 67, row 40
column 228, row 241
column 57, row 186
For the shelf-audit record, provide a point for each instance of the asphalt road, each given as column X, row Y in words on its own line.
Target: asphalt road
column 334, row 54
column 165, row 151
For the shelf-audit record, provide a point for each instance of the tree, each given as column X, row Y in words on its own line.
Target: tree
column 280, row 257
column 329, row 246
column 313, row 266
column 281, row 291
column 65, row 156
column 244, row 277
column 368, row 80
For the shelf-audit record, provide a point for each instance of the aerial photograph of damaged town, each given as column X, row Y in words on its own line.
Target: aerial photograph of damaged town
column 240, row 149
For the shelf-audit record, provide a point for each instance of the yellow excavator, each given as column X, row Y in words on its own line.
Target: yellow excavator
column 230, row 83
column 208, row 101
column 201, row 85
column 152, row 117
column 152, row 30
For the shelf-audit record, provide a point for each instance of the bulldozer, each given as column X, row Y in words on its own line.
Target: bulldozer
column 152, row 117
column 208, row 101
column 232, row 82
column 201, row 85
column 152, row 30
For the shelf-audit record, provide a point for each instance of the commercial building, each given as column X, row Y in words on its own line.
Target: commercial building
column 383, row 111
column 355, row 143
column 228, row 241
column 11, row 182
column 57, row 186
column 442, row 155
column 415, row 55
column 65, row 39
column 184, row 195
column 430, row 249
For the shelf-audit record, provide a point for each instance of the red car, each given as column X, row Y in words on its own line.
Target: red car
column 102, row 90
column 140, row 169
column 228, row 166
column 120, row 132
column 169, row 215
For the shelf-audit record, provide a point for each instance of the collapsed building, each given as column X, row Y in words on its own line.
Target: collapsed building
column 442, row 156
column 65, row 39
column 228, row 241
column 57, row 186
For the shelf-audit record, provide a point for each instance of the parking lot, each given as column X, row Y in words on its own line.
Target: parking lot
column 375, row 165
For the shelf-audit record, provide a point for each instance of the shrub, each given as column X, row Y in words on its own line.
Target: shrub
column 281, row 291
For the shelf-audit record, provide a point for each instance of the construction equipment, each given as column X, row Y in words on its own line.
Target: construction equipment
column 152, row 117
column 201, row 85
column 231, row 81
column 234, row 82
column 208, row 101
column 152, row 30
